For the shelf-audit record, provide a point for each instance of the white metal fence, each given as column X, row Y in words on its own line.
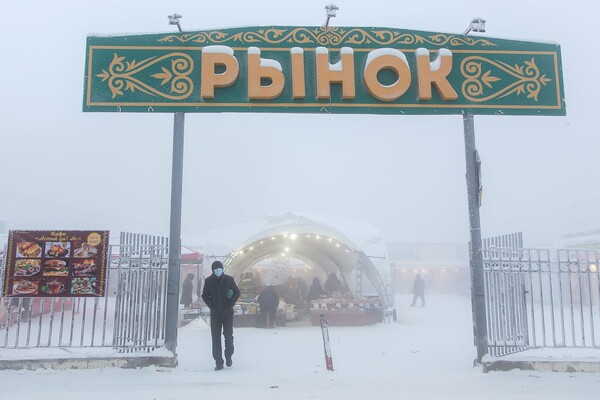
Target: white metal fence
column 541, row 298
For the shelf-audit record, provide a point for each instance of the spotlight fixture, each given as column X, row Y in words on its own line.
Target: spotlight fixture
column 330, row 9
column 476, row 25
column 174, row 20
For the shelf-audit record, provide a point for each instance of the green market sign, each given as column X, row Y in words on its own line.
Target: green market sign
column 322, row 70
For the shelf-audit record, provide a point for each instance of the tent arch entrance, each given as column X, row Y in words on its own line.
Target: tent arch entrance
column 314, row 243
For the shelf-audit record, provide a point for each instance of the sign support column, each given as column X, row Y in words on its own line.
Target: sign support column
column 475, row 253
column 172, row 318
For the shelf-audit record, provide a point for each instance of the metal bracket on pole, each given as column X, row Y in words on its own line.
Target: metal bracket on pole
column 172, row 318
column 475, row 253
column 331, row 12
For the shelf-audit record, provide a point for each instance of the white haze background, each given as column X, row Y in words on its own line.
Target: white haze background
column 62, row 168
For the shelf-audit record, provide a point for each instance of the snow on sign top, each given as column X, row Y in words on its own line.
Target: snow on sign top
column 215, row 49
column 303, row 69
column 264, row 62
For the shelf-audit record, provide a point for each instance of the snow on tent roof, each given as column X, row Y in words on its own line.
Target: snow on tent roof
column 361, row 237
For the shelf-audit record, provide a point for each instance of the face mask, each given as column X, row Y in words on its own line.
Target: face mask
column 218, row 272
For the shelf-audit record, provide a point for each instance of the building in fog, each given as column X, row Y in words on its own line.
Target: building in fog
column 443, row 266
column 588, row 239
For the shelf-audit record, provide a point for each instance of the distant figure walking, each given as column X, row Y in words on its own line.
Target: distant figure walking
column 220, row 294
column 268, row 300
column 418, row 291
column 187, row 289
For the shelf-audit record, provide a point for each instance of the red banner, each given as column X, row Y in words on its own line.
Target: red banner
column 56, row 264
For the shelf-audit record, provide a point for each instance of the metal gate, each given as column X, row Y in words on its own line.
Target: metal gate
column 506, row 308
column 130, row 317
column 541, row 298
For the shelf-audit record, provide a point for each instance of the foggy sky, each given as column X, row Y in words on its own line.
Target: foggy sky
column 65, row 169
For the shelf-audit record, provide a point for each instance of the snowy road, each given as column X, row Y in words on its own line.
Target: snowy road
column 427, row 355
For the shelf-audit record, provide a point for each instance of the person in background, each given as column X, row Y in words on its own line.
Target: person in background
column 268, row 300
column 314, row 292
column 418, row 290
column 187, row 289
column 302, row 287
column 220, row 294
column 292, row 293
column 332, row 284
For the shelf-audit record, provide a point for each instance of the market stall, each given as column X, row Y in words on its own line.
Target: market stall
column 246, row 313
column 345, row 312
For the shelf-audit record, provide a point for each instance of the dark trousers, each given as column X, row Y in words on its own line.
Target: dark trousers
column 220, row 324
column 269, row 317
column 266, row 319
column 416, row 296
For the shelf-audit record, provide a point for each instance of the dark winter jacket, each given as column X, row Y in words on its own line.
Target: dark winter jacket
column 419, row 286
column 186, row 292
column 268, row 299
column 214, row 295
column 315, row 291
column 332, row 284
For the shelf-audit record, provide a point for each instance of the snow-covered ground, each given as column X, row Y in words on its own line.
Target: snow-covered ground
column 428, row 354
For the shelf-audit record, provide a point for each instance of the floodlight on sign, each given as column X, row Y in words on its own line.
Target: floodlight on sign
column 174, row 20
column 476, row 25
column 330, row 9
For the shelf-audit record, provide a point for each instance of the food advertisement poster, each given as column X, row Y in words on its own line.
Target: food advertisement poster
column 56, row 264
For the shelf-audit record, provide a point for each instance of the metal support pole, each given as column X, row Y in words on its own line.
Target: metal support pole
column 475, row 253
column 172, row 318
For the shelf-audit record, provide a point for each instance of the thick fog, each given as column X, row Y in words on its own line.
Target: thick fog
column 65, row 169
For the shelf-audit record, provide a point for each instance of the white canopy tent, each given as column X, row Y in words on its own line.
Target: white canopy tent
column 353, row 249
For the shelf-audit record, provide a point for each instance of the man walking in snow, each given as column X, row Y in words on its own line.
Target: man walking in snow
column 220, row 294
column 418, row 290
column 269, row 301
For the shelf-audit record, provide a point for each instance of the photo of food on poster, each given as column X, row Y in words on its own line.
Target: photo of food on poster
column 56, row 264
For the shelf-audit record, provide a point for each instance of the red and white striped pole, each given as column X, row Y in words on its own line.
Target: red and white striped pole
column 326, row 343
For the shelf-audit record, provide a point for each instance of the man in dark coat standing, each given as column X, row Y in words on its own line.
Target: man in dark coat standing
column 186, row 291
column 268, row 300
column 314, row 292
column 332, row 284
column 220, row 294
